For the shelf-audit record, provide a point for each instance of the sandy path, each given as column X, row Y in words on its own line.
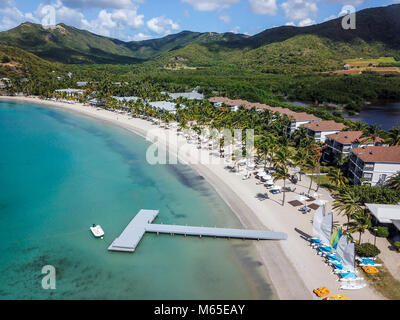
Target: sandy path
column 292, row 266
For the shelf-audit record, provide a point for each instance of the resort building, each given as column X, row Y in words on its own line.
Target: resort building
column 194, row 95
column 70, row 92
column 319, row 130
column 234, row 105
column 387, row 216
column 81, row 83
column 373, row 165
column 126, row 99
column 298, row 119
column 164, row 105
column 339, row 144
column 97, row 103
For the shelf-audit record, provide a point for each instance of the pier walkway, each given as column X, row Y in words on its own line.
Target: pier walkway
column 142, row 223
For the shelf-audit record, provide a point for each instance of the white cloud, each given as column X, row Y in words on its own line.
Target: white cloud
column 225, row 18
column 210, row 5
column 263, row 6
column 291, row 24
column 306, row 22
column 128, row 17
column 345, row 2
column 162, row 25
column 141, row 36
column 235, row 29
column 11, row 16
column 109, row 4
column 299, row 10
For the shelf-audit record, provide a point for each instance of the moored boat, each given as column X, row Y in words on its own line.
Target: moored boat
column 97, row 231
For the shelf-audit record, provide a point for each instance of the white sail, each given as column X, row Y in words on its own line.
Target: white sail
column 317, row 222
column 326, row 228
column 346, row 251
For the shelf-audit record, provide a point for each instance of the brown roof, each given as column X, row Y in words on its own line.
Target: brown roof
column 325, row 126
column 303, row 116
column 298, row 116
column 349, row 137
column 378, row 154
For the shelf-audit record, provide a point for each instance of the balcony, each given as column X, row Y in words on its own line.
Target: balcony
column 369, row 167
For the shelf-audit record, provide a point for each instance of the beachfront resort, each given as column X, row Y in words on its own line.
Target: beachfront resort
column 332, row 187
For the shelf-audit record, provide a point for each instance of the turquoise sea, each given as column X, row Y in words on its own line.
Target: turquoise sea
column 60, row 173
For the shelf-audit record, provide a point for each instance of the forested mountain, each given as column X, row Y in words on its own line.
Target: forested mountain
column 17, row 63
column 316, row 48
column 70, row 45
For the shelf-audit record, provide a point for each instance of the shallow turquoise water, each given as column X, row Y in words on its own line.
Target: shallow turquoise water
column 60, row 173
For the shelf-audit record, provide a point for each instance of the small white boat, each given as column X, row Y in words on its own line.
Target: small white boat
column 97, row 231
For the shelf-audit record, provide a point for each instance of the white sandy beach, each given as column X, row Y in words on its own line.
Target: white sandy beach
column 292, row 266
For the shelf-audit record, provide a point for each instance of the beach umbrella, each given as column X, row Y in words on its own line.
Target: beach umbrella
column 320, row 202
column 251, row 165
column 302, row 198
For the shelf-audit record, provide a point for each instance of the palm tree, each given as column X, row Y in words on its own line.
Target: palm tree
column 337, row 177
column 348, row 203
column 282, row 173
column 300, row 158
column 310, row 164
column 394, row 136
column 317, row 154
column 360, row 222
column 300, row 135
column 370, row 134
column 394, row 182
column 281, row 156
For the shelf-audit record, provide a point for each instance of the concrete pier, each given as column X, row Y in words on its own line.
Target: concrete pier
column 142, row 223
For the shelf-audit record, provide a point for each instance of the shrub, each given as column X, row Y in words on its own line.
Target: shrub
column 367, row 250
column 5, row 59
column 382, row 232
column 397, row 245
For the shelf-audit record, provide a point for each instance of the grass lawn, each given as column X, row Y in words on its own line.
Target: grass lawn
column 367, row 62
column 383, row 282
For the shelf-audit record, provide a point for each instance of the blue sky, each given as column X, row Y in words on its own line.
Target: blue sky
column 144, row 19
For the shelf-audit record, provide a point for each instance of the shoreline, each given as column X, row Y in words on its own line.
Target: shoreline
column 292, row 268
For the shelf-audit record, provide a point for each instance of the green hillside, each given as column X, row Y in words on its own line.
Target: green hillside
column 73, row 46
column 17, row 63
column 67, row 44
column 318, row 48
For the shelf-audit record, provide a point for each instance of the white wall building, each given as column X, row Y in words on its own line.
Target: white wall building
column 374, row 165
column 341, row 143
column 297, row 119
column 164, row 105
column 319, row 130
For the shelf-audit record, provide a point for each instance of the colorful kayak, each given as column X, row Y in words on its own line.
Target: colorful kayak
column 322, row 292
